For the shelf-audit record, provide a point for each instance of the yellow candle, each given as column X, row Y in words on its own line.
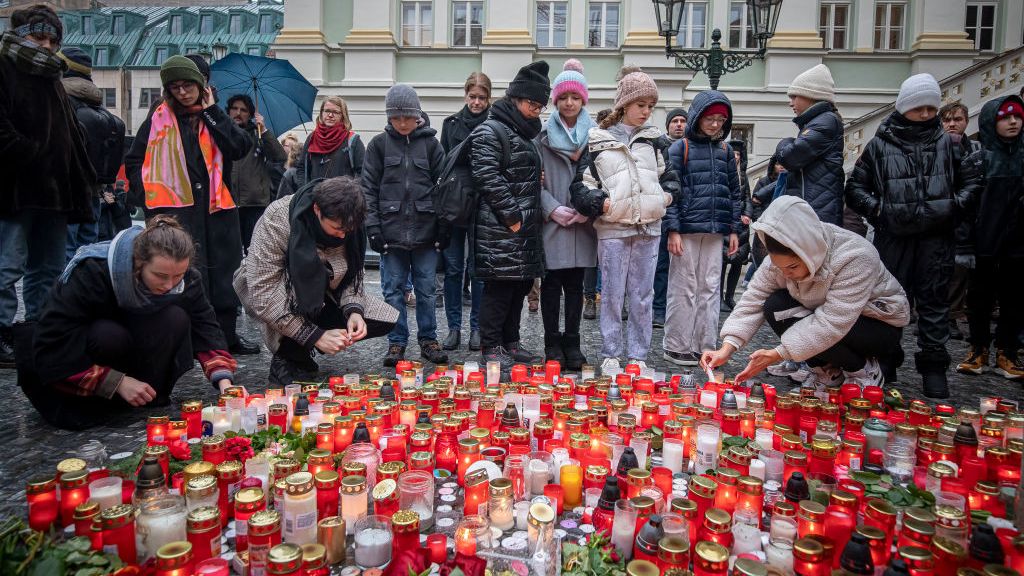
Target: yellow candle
column 572, row 484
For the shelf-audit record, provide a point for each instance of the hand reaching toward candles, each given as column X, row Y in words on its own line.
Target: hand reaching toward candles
column 356, row 327
column 714, row 358
column 223, row 384
column 334, row 341
column 759, row 360
column 135, row 392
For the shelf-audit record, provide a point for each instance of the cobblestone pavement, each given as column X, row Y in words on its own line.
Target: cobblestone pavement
column 31, row 446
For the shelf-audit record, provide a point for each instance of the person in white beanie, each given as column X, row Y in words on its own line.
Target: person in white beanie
column 814, row 158
column 912, row 182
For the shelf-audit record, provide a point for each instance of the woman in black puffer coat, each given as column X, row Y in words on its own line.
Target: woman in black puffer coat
column 506, row 237
column 911, row 183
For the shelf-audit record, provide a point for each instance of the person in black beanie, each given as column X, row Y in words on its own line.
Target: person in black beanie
column 675, row 128
column 507, row 248
column 675, row 123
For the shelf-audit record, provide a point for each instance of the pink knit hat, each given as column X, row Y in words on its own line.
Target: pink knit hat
column 634, row 84
column 571, row 79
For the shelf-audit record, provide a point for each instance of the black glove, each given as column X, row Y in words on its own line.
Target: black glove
column 443, row 238
column 376, row 240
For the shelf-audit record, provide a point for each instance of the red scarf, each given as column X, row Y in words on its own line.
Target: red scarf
column 327, row 139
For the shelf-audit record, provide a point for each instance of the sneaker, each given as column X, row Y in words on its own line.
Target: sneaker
column 243, row 347
column 501, row 356
column 784, row 368
column 658, row 322
column 395, row 353
column 1009, row 367
column 976, row 362
column 431, row 351
column 410, row 299
column 610, row 366
column 590, row 308
column 6, row 349
column 869, row 375
column 283, row 371
column 682, row 358
column 640, row 363
column 823, row 377
column 521, row 354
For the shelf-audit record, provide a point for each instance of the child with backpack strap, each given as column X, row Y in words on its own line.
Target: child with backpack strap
column 626, row 189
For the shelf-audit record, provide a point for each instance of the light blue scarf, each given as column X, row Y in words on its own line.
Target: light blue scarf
column 569, row 140
column 131, row 295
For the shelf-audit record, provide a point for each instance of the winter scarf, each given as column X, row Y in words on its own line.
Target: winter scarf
column 470, row 120
column 309, row 277
column 164, row 170
column 29, row 58
column 569, row 140
column 327, row 139
column 131, row 294
column 505, row 111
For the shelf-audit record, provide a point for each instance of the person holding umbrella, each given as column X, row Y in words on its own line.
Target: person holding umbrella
column 333, row 149
column 252, row 174
column 181, row 162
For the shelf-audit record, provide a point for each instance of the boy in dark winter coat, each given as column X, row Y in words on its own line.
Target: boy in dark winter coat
column 47, row 181
column 814, row 158
column 506, row 240
column 706, row 213
column 998, row 242
column 912, row 183
column 400, row 166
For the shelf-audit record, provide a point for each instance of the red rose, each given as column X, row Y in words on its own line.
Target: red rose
column 180, row 450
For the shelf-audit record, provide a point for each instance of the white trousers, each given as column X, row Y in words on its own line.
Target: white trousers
column 692, row 311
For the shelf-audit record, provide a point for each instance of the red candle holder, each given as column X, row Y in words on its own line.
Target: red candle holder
column 43, row 509
column 476, row 491
column 74, row 490
column 229, row 478
column 156, row 429
column 556, row 495
column 203, row 531
column 192, row 414
column 437, row 544
column 326, row 483
column 118, row 524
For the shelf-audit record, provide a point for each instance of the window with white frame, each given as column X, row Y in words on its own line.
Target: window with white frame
column 467, row 23
column 175, row 24
column 235, row 24
column 102, row 57
column 117, row 28
column 551, row 24
column 603, row 24
column 206, row 23
column 694, row 25
column 981, row 24
column 834, row 24
column 890, row 25
column 417, row 24
column 741, row 26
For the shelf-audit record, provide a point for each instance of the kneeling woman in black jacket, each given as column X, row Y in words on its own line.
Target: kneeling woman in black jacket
column 122, row 325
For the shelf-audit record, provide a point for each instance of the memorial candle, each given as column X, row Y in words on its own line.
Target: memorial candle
column 476, row 491
column 191, row 413
column 469, row 454
column 204, row 532
column 74, row 490
column 119, row 532
column 43, row 508
column 571, row 479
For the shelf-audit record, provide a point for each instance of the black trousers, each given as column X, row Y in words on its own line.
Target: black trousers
column 996, row 279
column 330, row 317
column 556, row 282
column 590, row 282
column 730, row 277
column 154, row 348
column 923, row 265
column 867, row 338
column 248, row 216
column 501, row 308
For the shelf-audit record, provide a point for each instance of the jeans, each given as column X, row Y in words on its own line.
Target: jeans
column 31, row 245
column 501, row 310
column 86, row 233
column 396, row 266
column 454, row 268
column 592, row 282
column 627, row 272
column 661, row 279
column 569, row 281
column 867, row 338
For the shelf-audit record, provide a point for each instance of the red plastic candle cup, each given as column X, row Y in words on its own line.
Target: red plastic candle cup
column 556, row 495
column 41, row 494
column 192, row 414
column 874, row 394
column 437, row 544
column 518, row 373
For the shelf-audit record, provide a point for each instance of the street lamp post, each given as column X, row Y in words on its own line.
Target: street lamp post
column 714, row 61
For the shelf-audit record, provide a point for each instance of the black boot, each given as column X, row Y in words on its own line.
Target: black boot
column 932, row 365
column 574, row 358
column 935, row 385
column 553, row 348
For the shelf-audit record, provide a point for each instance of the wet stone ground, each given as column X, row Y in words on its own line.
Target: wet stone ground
column 31, row 446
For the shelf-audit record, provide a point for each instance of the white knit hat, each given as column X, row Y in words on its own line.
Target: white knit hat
column 918, row 90
column 816, row 84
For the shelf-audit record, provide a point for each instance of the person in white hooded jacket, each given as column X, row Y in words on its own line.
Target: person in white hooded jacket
column 825, row 293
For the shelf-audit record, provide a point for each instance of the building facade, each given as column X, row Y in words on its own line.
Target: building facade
column 359, row 48
column 128, row 44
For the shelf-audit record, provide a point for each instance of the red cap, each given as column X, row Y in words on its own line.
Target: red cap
column 716, row 108
column 1010, row 107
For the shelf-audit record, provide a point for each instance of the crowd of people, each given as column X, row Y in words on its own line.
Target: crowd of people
column 618, row 219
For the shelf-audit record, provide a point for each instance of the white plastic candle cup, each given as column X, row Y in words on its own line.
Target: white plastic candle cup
column 640, row 447
column 624, row 527
column 952, row 499
column 591, row 496
column 764, row 438
column 106, row 491
column 773, row 465
column 675, row 524
column 350, row 379
column 672, row 454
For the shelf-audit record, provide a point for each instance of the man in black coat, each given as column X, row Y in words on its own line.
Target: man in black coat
column 912, row 183
column 507, row 249
column 399, row 169
column 47, row 178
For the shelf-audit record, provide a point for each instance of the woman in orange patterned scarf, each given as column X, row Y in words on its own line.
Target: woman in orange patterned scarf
column 181, row 165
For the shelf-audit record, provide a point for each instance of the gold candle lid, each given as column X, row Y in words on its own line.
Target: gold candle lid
column 248, row 496
column 717, row 520
column 314, row 555
column 70, row 465
column 86, row 509
column 326, row 479
column 642, row 568
column 169, row 555
column 264, row 522
column 949, row 547
column 914, row 553
column 299, row 483
column 353, row 469
column 117, row 516
column 385, row 490
column 353, row 484
column 229, row 468
column 201, row 485
column 405, row 521
column 748, row 567
column 920, row 514
column 711, row 552
column 203, row 518
column 501, row 487
column 541, row 513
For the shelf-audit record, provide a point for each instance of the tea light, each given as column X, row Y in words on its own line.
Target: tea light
column 493, row 372
column 522, row 511
column 373, row 547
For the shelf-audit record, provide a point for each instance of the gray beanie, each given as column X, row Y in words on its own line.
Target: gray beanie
column 815, row 83
column 401, row 100
column 918, row 90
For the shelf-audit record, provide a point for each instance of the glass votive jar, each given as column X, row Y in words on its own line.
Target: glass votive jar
column 106, row 491
column 202, row 491
column 473, row 531
column 373, row 538
column 416, row 492
column 809, row 558
column 160, row 521
column 899, row 459
column 746, row 532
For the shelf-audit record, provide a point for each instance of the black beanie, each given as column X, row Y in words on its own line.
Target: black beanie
column 79, row 63
column 672, row 114
column 531, row 83
column 202, row 64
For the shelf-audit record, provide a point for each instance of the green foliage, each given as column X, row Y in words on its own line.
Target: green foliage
column 29, row 553
column 596, row 558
